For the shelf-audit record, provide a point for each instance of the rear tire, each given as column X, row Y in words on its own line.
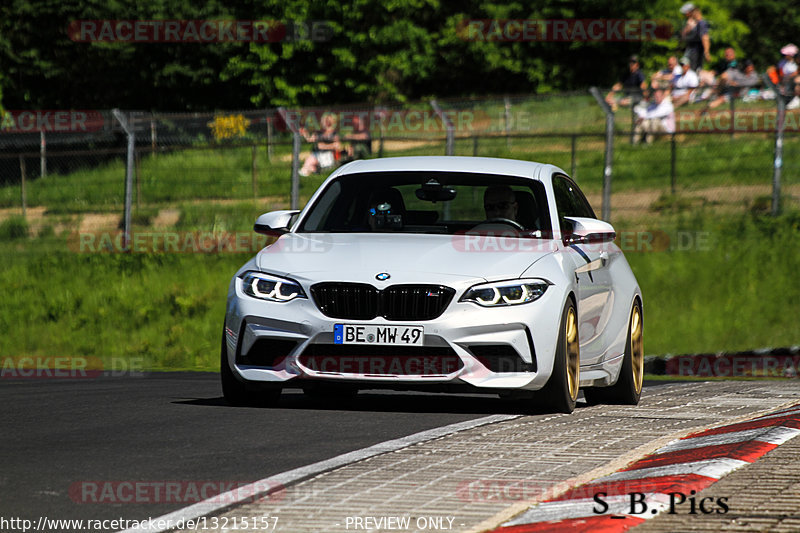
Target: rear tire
column 628, row 388
column 236, row 392
column 561, row 390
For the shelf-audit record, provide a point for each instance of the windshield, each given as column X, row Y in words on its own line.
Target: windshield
column 430, row 202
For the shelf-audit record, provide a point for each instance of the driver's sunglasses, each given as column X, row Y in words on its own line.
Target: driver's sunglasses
column 498, row 206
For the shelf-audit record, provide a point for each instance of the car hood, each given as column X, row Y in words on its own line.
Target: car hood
column 405, row 257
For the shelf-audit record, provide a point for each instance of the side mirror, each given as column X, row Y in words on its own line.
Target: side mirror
column 274, row 222
column 589, row 230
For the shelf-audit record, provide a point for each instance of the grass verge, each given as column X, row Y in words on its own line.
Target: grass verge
column 733, row 289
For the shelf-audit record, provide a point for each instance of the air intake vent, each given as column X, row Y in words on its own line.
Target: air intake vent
column 360, row 301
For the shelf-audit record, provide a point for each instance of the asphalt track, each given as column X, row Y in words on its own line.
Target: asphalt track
column 59, row 436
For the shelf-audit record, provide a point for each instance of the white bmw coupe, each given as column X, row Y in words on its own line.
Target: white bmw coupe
column 438, row 274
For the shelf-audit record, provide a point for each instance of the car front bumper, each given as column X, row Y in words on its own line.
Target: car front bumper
column 504, row 348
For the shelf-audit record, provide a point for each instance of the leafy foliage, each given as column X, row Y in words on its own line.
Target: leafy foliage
column 380, row 52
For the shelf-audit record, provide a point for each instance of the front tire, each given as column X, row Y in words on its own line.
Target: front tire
column 561, row 390
column 628, row 388
column 236, row 392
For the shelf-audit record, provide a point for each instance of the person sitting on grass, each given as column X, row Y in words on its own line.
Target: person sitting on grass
column 326, row 146
column 631, row 86
column 658, row 116
column 360, row 146
column 732, row 81
column 684, row 87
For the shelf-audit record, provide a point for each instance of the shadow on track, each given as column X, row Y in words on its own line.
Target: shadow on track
column 401, row 402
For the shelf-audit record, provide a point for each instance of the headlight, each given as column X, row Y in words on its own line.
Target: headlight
column 506, row 293
column 271, row 288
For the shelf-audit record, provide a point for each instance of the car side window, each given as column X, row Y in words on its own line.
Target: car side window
column 570, row 201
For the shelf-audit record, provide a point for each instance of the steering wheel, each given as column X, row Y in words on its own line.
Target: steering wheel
column 514, row 224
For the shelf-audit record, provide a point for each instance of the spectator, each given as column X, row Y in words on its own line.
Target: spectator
column 787, row 76
column 631, row 85
column 732, row 81
column 326, row 146
column 685, row 86
column 727, row 62
column 709, row 80
column 658, row 116
column 695, row 35
column 663, row 78
column 788, row 65
column 360, row 140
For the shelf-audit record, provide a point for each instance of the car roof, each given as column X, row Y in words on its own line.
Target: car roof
column 478, row 165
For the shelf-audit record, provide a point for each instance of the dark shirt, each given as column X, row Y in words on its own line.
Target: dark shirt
column 325, row 138
column 632, row 82
column 722, row 65
column 694, row 39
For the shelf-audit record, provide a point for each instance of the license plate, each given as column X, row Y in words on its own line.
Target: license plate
column 392, row 335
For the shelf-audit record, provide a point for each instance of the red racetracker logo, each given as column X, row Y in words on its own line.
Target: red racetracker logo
column 764, row 121
column 564, row 30
column 709, row 365
column 166, row 242
column 198, row 31
column 503, row 490
column 55, row 121
column 175, row 492
column 389, row 121
column 69, row 367
column 641, row 241
column 383, row 364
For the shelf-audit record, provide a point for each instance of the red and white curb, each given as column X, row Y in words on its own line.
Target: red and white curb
column 664, row 480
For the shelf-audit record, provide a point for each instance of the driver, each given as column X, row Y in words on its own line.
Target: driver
column 499, row 202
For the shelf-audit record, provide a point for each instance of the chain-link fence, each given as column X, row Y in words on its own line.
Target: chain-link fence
column 76, row 162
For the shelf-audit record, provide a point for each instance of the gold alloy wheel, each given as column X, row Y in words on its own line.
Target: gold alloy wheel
column 637, row 349
column 573, row 351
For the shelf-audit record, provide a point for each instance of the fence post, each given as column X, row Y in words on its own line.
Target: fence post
column 295, row 129
column 295, row 170
column 609, row 154
column 672, row 155
column 42, row 155
column 255, row 173
column 777, row 161
column 269, row 139
column 22, row 172
column 449, row 148
column 128, row 128
column 633, row 123
column 152, row 135
column 573, row 160
column 138, row 180
column 777, row 165
column 507, row 120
